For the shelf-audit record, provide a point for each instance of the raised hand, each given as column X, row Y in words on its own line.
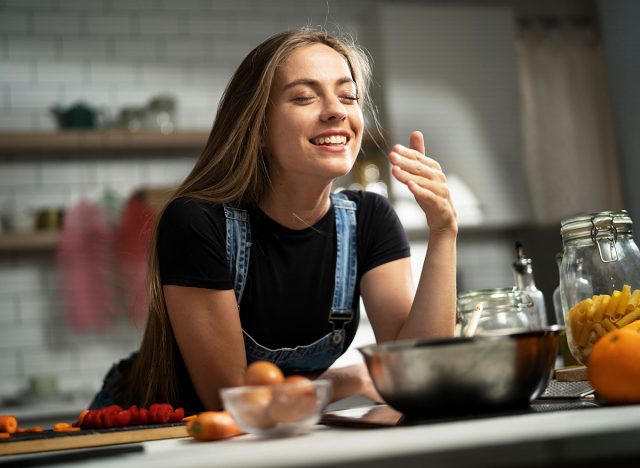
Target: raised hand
column 426, row 181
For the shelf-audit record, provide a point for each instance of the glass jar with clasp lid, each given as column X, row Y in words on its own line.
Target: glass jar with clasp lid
column 599, row 277
column 501, row 310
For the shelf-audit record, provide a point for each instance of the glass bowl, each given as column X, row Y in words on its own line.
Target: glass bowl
column 277, row 410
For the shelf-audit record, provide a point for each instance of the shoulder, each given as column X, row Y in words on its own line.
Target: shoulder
column 188, row 206
column 369, row 202
column 191, row 244
column 192, row 209
column 186, row 214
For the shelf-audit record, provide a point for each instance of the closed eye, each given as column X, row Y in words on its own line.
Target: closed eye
column 303, row 99
column 350, row 99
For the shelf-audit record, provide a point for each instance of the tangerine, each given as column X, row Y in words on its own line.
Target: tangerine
column 263, row 373
column 251, row 407
column 614, row 366
column 293, row 401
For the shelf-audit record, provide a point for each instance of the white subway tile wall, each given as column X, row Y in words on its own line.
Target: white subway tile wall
column 115, row 53
column 110, row 54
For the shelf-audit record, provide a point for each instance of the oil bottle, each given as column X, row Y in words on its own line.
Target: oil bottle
column 523, row 274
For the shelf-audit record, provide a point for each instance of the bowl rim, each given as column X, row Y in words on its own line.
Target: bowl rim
column 317, row 383
column 399, row 345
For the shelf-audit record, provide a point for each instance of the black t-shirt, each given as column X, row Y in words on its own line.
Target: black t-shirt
column 289, row 289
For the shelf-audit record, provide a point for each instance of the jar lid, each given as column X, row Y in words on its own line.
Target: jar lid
column 588, row 225
column 498, row 299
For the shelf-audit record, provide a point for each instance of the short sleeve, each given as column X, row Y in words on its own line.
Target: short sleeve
column 192, row 245
column 381, row 236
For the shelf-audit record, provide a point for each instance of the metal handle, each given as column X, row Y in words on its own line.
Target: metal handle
column 604, row 234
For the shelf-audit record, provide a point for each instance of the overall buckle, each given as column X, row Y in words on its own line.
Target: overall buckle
column 338, row 323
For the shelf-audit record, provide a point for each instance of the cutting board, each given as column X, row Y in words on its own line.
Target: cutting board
column 385, row 416
column 50, row 440
column 365, row 416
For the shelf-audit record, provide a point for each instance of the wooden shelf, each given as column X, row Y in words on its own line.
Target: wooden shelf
column 98, row 141
column 81, row 143
column 43, row 241
column 104, row 141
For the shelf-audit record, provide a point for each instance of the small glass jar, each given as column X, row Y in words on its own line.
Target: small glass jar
column 599, row 273
column 503, row 310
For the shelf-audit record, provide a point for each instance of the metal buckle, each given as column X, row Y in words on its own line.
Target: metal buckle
column 337, row 318
column 604, row 234
column 338, row 328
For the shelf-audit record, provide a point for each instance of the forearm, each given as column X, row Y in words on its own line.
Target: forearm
column 432, row 313
column 349, row 381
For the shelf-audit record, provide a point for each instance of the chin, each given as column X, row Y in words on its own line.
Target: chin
column 343, row 164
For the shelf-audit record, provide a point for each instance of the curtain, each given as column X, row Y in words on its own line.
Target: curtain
column 568, row 148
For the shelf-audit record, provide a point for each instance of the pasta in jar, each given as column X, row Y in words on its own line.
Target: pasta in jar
column 599, row 278
column 593, row 317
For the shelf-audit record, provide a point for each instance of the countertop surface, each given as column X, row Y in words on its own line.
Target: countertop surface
column 558, row 438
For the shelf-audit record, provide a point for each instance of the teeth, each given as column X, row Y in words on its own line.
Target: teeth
column 331, row 140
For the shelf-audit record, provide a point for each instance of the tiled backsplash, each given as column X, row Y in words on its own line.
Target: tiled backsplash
column 34, row 338
column 109, row 54
column 112, row 53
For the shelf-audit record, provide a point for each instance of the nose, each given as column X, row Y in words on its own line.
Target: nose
column 333, row 110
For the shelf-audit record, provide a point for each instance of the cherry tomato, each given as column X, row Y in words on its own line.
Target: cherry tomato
column 143, row 416
column 177, row 415
column 121, row 418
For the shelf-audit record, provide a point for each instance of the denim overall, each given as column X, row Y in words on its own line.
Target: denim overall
column 316, row 356
column 320, row 354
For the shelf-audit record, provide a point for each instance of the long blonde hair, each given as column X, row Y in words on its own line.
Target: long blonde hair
column 231, row 167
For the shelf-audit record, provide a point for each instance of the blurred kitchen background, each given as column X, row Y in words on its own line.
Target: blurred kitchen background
column 532, row 108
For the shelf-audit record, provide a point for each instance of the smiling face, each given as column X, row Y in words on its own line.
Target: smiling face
column 314, row 120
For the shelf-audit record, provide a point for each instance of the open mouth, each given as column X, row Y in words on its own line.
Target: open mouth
column 333, row 140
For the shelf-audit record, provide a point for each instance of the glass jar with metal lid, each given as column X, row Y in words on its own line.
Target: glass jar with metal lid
column 599, row 277
column 501, row 310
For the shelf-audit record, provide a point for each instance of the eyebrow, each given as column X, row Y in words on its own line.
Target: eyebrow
column 311, row 82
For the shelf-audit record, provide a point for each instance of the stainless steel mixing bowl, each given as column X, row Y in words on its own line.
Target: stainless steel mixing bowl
column 463, row 375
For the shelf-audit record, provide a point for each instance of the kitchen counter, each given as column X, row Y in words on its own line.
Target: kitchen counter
column 578, row 437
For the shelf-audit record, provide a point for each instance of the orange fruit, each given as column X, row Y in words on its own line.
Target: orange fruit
column 614, row 366
column 297, row 379
column 251, row 407
column 263, row 373
column 293, row 401
column 213, row 425
column 633, row 325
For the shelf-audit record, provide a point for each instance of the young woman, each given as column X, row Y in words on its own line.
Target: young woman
column 256, row 259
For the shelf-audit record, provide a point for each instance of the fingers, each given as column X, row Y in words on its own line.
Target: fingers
column 416, row 142
column 438, row 207
column 411, row 164
column 424, row 177
column 411, row 160
column 408, row 166
column 426, row 181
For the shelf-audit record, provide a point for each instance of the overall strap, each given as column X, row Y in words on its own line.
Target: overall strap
column 346, row 262
column 238, row 246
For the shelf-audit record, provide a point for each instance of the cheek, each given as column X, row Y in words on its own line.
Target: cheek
column 282, row 130
column 358, row 119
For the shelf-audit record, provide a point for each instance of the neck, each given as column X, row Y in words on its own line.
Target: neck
column 296, row 209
